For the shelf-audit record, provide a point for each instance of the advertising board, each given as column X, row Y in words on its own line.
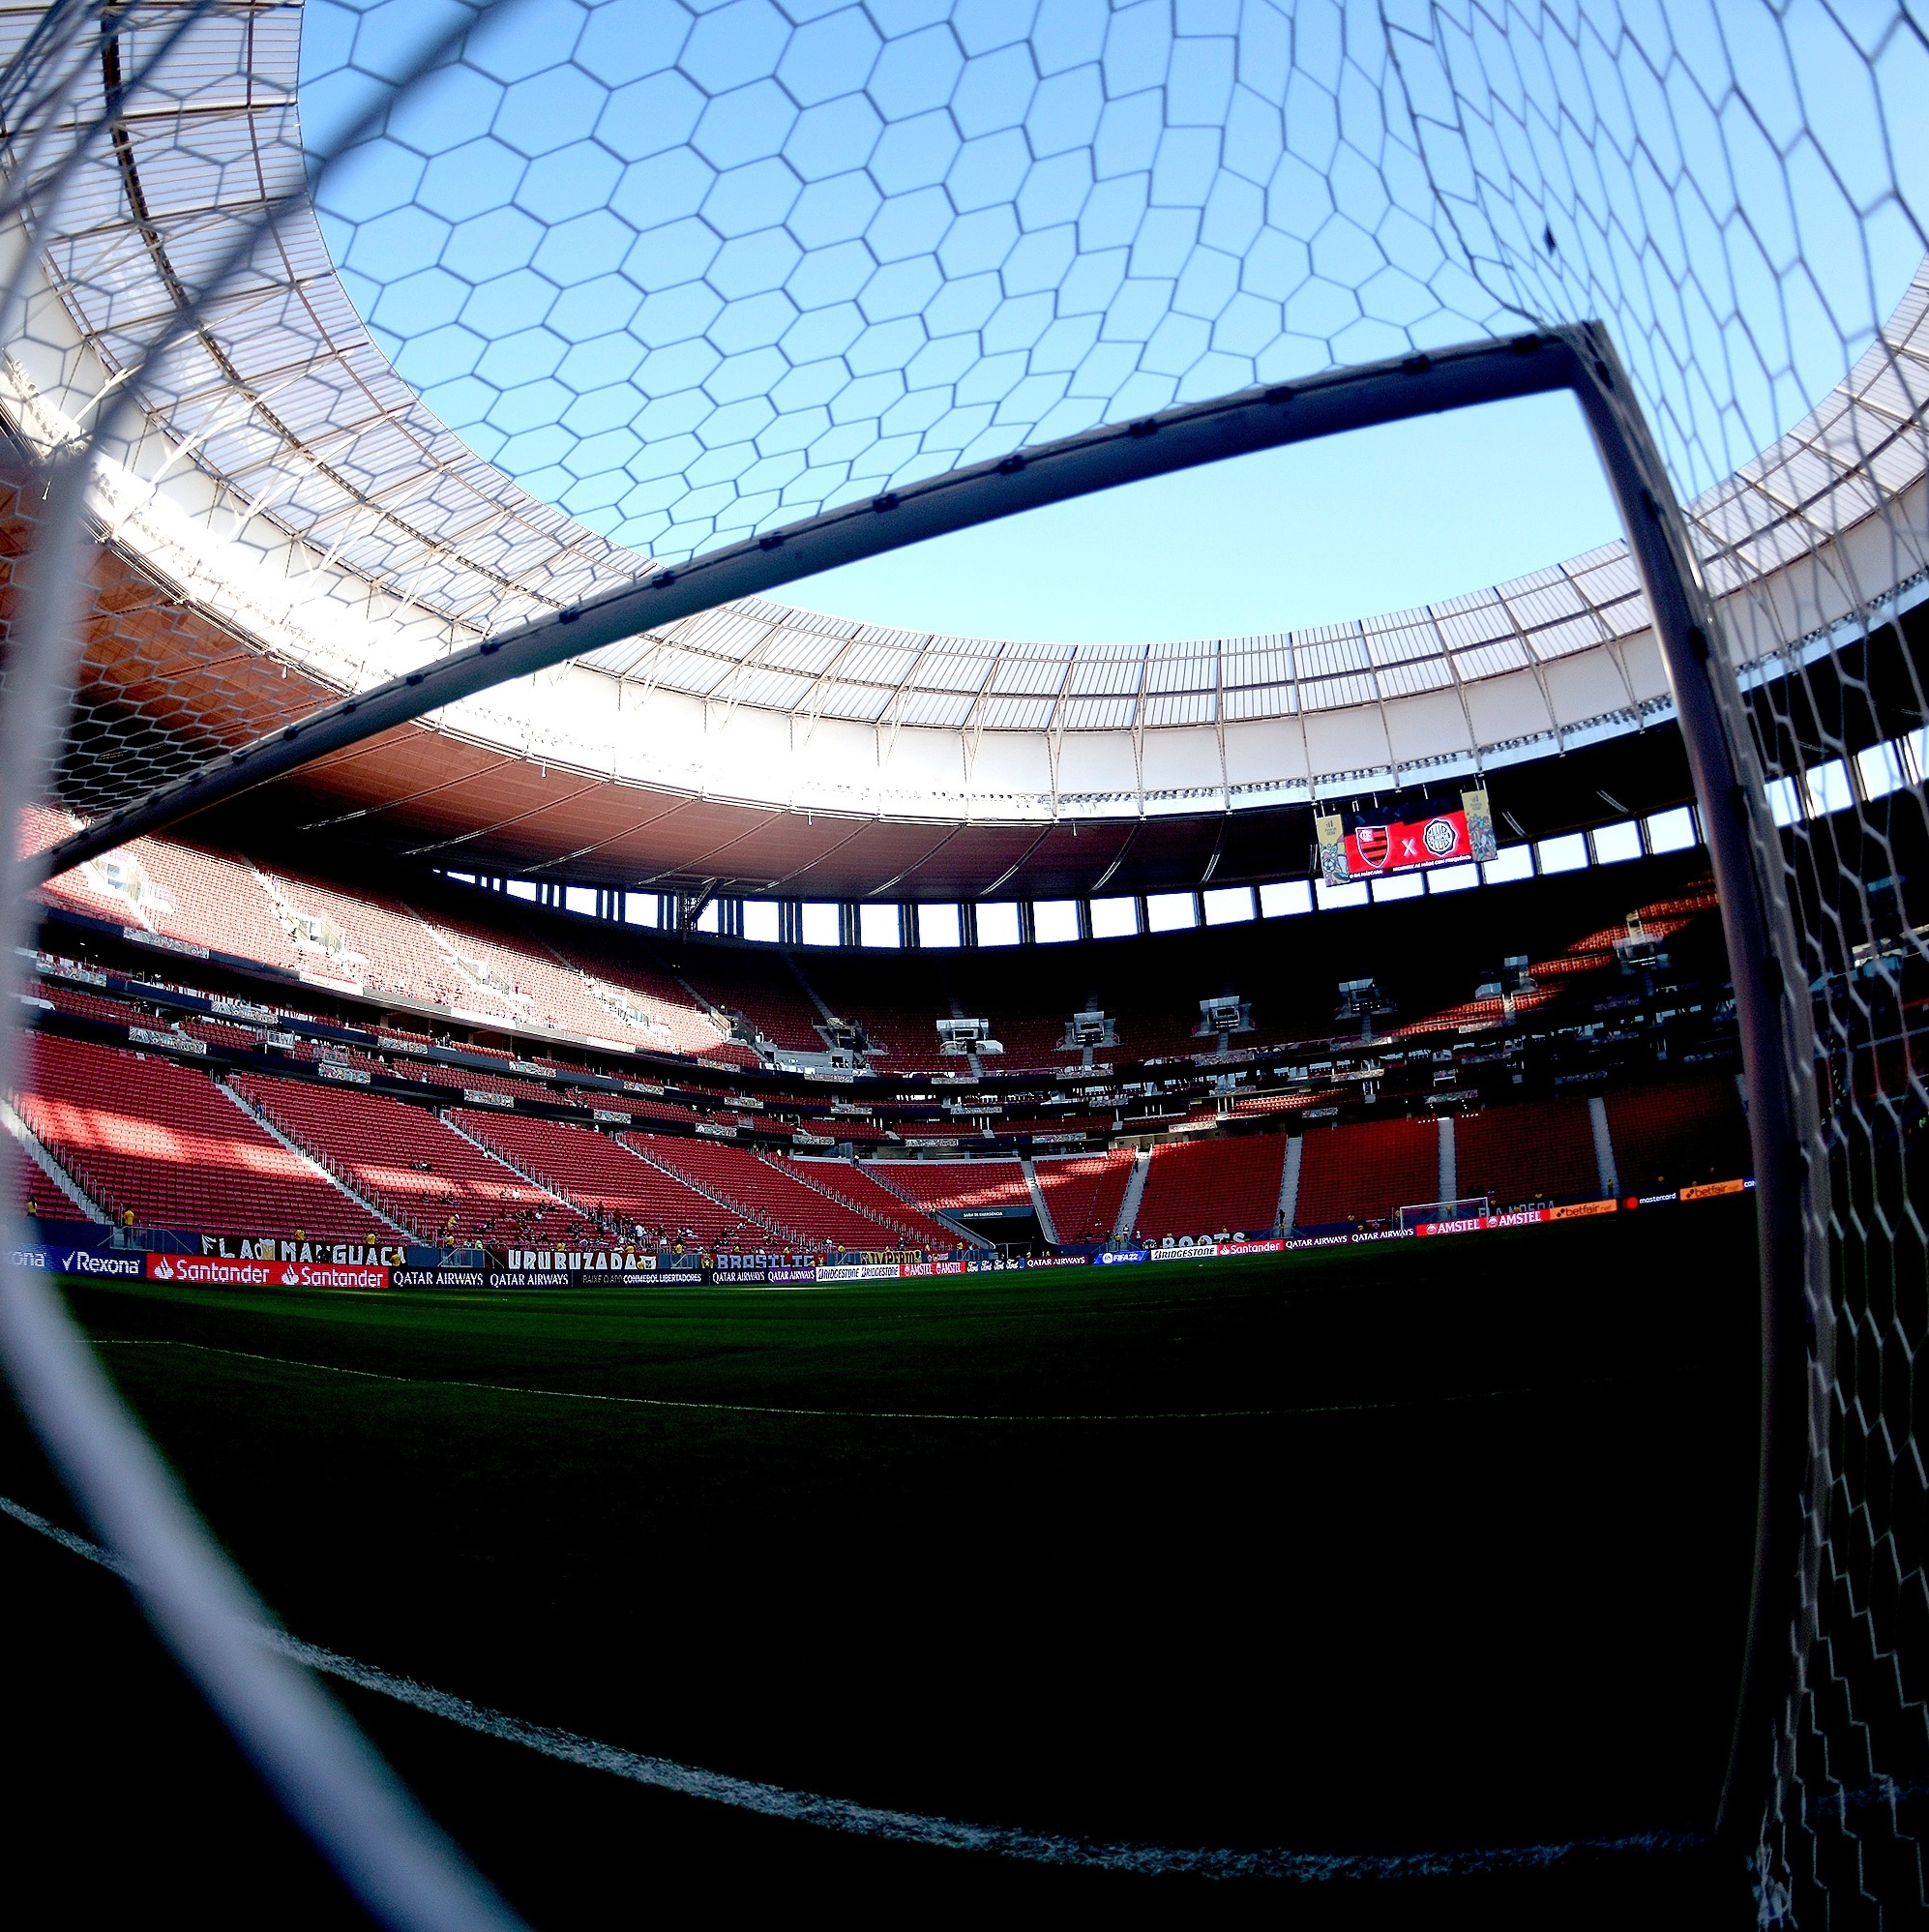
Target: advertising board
column 49, row 1257
column 282, row 1248
column 215, row 1272
column 1447, row 830
column 593, row 1261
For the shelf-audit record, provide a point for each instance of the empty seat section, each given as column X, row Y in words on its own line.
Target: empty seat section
column 549, row 989
column 214, row 899
column 604, row 1177
column 906, row 1042
column 762, row 989
column 765, row 1189
column 850, row 1179
column 839, row 1214
column 1084, row 1192
column 45, row 1200
column 96, row 1006
column 379, row 941
column 1029, row 1041
column 466, row 1078
column 653, row 1007
column 959, row 1184
column 1368, row 1172
column 414, row 1167
column 1534, row 1150
column 693, row 1194
column 1209, row 1187
column 1686, row 1131
column 162, row 1140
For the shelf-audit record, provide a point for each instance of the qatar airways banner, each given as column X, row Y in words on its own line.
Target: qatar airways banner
column 1438, row 831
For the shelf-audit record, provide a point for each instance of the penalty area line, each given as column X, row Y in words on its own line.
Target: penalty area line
column 910, row 1828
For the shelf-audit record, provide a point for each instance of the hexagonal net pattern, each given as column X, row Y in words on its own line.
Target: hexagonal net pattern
column 688, row 270
column 627, row 280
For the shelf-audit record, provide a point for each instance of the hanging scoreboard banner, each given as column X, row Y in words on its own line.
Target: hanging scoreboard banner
column 1448, row 830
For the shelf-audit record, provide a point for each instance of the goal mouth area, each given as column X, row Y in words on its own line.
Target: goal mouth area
column 1428, row 1213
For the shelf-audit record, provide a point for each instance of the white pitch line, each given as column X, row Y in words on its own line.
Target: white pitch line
column 911, row 1828
column 830, row 1415
column 720, row 1408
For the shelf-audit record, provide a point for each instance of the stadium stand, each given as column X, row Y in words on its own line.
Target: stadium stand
column 1532, row 1151
column 484, row 956
column 763, row 1188
column 858, row 1185
column 1084, row 1193
column 1197, row 1187
column 715, row 1219
column 467, row 1078
column 1365, row 1173
column 215, row 900
column 490, row 963
column 552, row 992
column 378, row 942
column 142, row 1133
column 773, row 1004
column 97, row 1006
column 846, row 1182
column 1685, row 1131
column 605, row 1178
column 625, row 980
column 417, row 1168
column 956, row 1184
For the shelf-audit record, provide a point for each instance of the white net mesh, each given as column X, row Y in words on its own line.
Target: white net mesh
column 636, row 278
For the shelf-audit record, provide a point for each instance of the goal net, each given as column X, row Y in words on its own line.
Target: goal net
column 770, row 267
column 1426, row 1213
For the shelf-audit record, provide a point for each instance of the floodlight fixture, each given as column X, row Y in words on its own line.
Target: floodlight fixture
column 1222, row 1014
column 966, row 1037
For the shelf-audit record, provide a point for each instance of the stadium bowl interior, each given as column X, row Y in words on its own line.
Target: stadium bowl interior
column 812, row 1254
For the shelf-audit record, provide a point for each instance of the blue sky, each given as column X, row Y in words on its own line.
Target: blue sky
column 1313, row 534
column 692, row 269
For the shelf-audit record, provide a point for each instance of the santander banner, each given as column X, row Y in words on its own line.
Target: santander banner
column 212, row 1271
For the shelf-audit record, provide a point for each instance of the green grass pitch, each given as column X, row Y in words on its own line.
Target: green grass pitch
column 1432, row 1544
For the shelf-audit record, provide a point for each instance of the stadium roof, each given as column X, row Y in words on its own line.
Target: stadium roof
column 290, row 482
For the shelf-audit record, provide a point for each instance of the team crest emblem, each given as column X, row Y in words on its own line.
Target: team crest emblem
column 1375, row 843
column 1441, row 837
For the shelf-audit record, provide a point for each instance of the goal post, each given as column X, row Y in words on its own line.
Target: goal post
column 1429, row 1213
column 1770, row 989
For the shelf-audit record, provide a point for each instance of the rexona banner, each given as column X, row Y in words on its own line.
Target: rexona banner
column 213, row 1272
column 61, row 1259
column 1446, row 830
